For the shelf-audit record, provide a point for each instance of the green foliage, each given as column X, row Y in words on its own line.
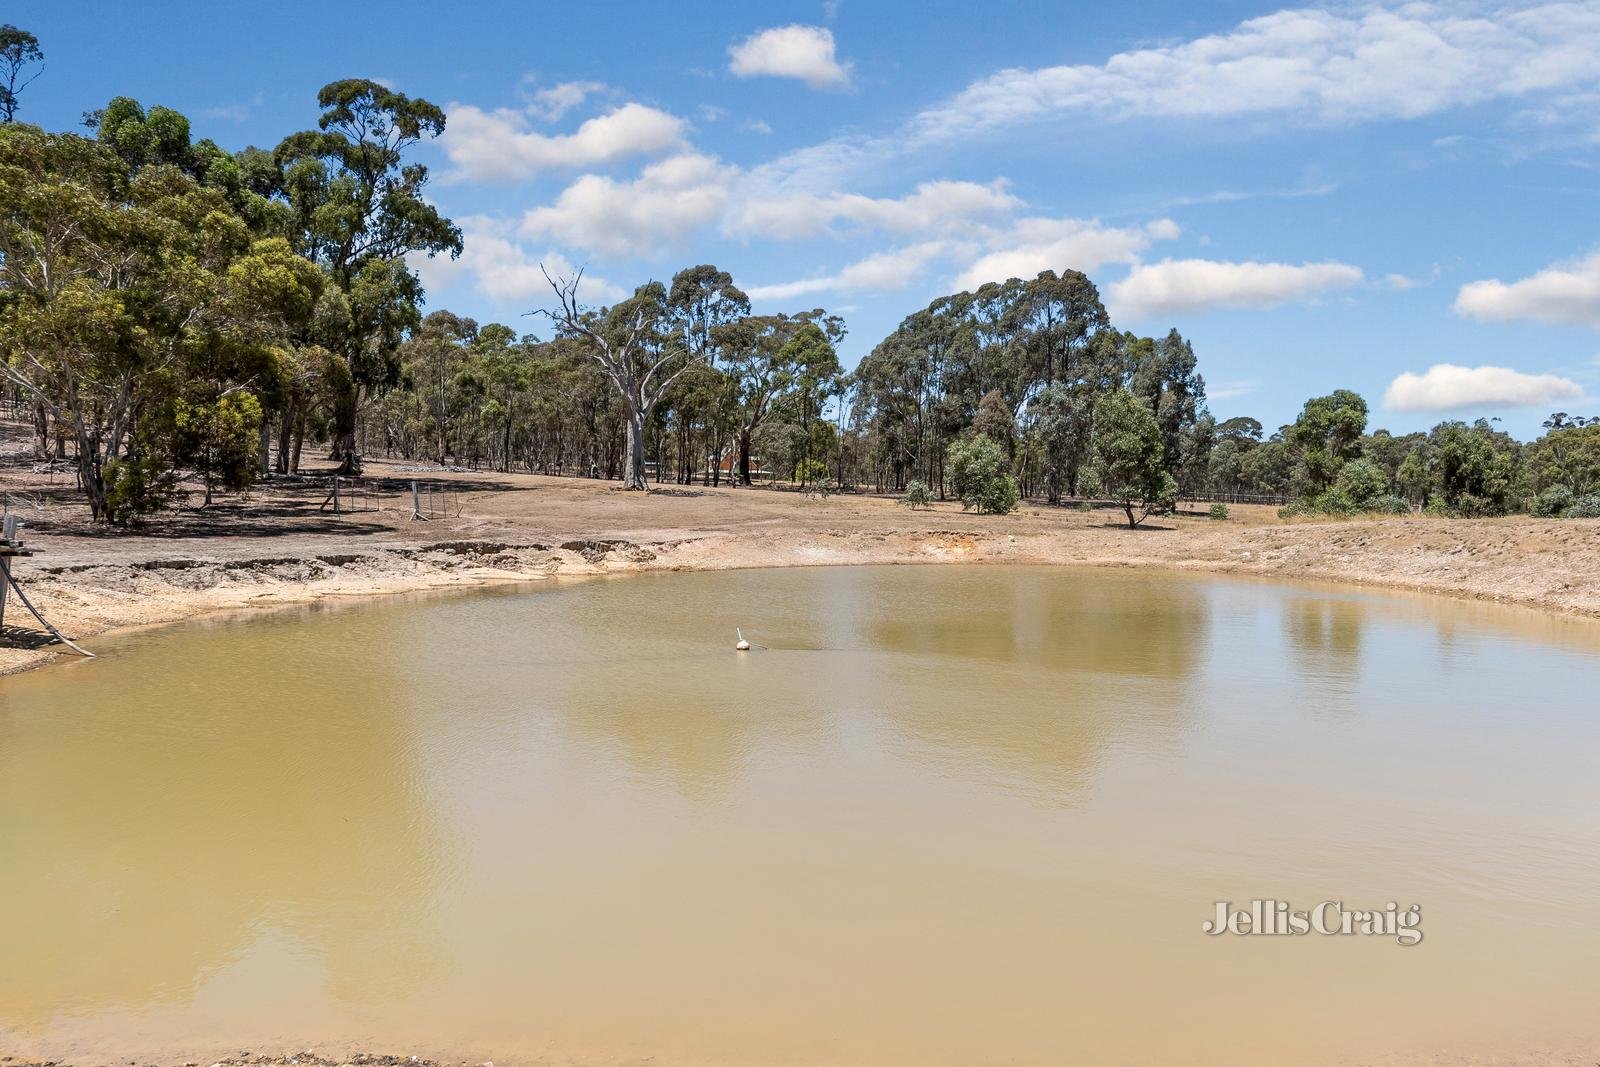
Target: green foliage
column 1268, row 468
column 1414, row 477
column 1219, row 511
column 218, row 439
column 980, row 476
column 1475, row 467
column 811, row 472
column 1363, row 482
column 1569, row 456
column 1328, row 433
column 917, row 495
column 1583, row 507
column 138, row 486
column 1129, row 458
column 19, row 49
column 1553, row 502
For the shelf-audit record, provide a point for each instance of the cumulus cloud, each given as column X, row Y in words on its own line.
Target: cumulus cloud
column 503, row 270
column 1562, row 295
column 1030, row 245
column 1181, row 285
column 796, row 51
column 668, row 199
column 932, row 205
column 497, row 146
column 1326, row 66
column 883, row 272
column 1448, row 387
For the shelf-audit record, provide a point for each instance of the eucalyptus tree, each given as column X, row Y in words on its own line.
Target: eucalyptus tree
column 1128, row 457
column 814, row 378
column 1063, row 316
column 356, row 207
column 1166, row 378
column 644, row 344
column 125, row 294
column 19, row 51
column 1328, row 433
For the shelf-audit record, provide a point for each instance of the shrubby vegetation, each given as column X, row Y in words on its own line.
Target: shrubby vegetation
column 981, row 477
column 172, row 308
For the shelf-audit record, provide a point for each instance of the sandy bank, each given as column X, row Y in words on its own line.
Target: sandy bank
column 278, row 548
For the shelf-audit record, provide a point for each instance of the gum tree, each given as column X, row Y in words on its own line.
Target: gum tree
column 644, row 344
column 1128, row 457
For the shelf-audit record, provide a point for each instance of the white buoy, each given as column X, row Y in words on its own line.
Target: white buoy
column 743, row 645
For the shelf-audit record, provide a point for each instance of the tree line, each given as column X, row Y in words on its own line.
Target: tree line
column 171, row 309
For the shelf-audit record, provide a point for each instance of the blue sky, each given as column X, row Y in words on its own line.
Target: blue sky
column 1399, row 199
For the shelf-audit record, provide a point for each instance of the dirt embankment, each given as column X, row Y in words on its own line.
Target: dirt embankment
column 279, row 546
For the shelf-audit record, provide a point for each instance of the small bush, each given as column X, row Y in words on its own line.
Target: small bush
column 917, row 494
column 1391, row 505
column 1362, row 481
column 811, row 472
column 138, row 487
column 1337, row 503
column 1553, row 502
column 979, row 475
column 1219, row 511
column 1583, row 507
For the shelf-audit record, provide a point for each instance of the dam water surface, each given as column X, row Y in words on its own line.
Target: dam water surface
column 949, row 815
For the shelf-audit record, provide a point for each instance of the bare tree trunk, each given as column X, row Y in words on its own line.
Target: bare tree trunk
column 633, row 472
column 41, row 428
column 285, row 438
column 92, row 478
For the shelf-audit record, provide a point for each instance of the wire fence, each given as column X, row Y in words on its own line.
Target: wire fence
column 419, row 498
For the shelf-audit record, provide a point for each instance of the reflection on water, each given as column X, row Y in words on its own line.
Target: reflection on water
column 949, row 815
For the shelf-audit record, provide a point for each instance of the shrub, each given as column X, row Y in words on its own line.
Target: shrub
column 137, row 487
column 917, row 494
column 980, row 478
column 1219, row 511
column 1335, row 502
column 811, row 472
column 1583, row 507
column 1553, row 502
column 1362, row 481
column 1391, row 505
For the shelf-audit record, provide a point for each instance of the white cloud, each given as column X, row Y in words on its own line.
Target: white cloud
column 551, row 103
column 1447, row 387
column 1562, row 295
column 503, row 270
column 669, row 199
column 883, row 272
column 797, row 51
column 498, row 146
column 1163, row 229
column 1326, row 66
column 932, row 205
column 1180, row 285
column 1031, row 245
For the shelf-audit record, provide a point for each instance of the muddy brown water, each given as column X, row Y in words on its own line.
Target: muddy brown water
column 950, row 815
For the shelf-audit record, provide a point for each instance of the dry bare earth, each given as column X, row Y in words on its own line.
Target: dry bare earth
column 276, row 546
